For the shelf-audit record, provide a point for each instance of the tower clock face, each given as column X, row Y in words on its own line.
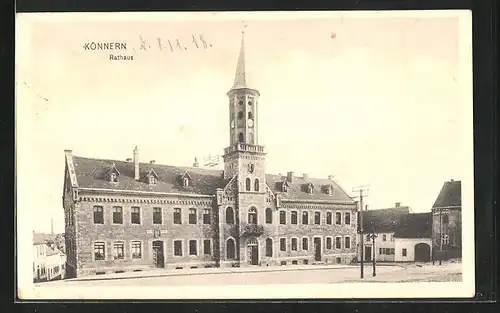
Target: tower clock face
column 250, row 122
column 232, row 124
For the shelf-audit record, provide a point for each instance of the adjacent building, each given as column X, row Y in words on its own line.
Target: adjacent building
column 130, row 215
column 400, row 236
column 49, row 263
column 447, row 221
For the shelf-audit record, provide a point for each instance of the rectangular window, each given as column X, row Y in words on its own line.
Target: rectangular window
column 282, row 244
column 118, row 251
column 206, row 247
column 347, row 243
column 317, row 218
column 329, row 218
column 98, row 215
column 135, row 217
column 384, row 237
column 338, row 218
column 157, row 216
column 393, row 251
column 136, row 250
column 347, row 218
column 294, row 244
column 380, row 251
column 293, row 218
column 192, row 247
column 305, row 218
column 178, row 248
column 99, row 253
column 177, row 216
column 206, row 217
column 282, row 217
column 328, row 242
column 404, row 251
column 392, row 237
column 192, row 216
column 338, row 243
column 117, row 215
column 305, row 244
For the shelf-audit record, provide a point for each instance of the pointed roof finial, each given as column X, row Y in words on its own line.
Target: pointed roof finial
column 240, row 79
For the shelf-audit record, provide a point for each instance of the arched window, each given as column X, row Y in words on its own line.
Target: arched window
column 248, row 184
column 241, row 137
column 250, row 115
column 230, row 249
column 252, row 216
column 257, row 185
column 229, row 216
column 269, row 247
column 185, row 182
column 269, row 216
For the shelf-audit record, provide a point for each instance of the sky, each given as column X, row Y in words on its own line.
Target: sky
column 379, row 103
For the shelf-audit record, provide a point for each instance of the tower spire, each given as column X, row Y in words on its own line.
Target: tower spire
column 240, row 78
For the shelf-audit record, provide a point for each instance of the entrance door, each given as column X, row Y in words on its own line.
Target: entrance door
column 368, row 253
column 422, row 252
column 317, row 249
column 254, row 252
column 158, row 255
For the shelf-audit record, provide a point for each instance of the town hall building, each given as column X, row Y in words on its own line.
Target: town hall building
column 131, row 216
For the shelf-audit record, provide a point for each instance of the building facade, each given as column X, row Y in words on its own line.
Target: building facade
column 48, row 262
column 130, row 216
column 382, row 223
column 447, row 222
column 400, row 236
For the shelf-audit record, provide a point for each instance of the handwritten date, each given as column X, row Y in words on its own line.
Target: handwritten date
column 197, row 42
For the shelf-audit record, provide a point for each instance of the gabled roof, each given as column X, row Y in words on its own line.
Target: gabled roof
column 415, row 225
column 295, row 190
column 152, row 172
column 203, row 181
column 450, row 195
column 383, row 220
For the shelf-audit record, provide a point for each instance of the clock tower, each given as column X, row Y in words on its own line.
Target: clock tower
column 244, row 157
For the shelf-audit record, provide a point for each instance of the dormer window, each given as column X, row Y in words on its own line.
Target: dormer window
column 185, row 182
column 284, row 188
column 113, row 174
column 152, row 180
column 310, row 188
column 329, row 190
column 152, row 177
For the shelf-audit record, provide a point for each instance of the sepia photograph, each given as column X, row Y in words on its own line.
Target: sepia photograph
column 244, row 155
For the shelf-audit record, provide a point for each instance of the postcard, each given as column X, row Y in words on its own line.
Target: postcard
column 244, row 155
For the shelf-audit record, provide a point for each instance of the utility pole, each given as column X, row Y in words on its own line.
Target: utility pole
column 361, row 189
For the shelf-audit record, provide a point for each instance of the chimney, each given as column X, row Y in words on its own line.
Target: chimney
column 136, row 163
column 398, row 204
column 452, row 180
column 68, row 151
column 196, row 164
column 330, row 177
column 305, row 176
column 129, row 160
column 152, row 162
column 289, row 176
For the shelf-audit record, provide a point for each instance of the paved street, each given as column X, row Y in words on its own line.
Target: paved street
column 394, row 273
